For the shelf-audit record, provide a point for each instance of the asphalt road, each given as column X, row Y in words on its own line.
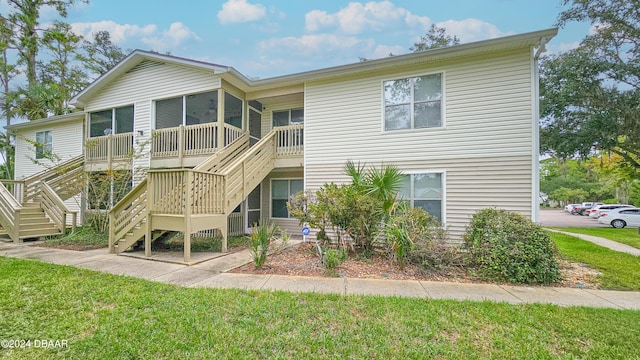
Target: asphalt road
column 557, row 217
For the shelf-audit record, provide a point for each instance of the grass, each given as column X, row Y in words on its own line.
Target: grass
column 620, row 271
column 112, row 317
column 627, row 236
column 82, row 237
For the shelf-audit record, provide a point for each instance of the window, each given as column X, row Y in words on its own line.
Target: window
column 413, row 103
column 425, row 191
column 198, row 109
column 112, row 121
column 288, row 117
column 281, row 192
column 44, row 144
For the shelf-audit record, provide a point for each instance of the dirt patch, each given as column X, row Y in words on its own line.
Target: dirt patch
column 302, row 260
column 75, row 247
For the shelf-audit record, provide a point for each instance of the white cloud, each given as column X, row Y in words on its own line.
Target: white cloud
column 358, row 17
column 119, row 32
column 240, row 11
column 470, row 30
column 176, row 35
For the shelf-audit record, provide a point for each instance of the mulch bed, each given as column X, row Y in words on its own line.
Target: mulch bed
column 302, row 260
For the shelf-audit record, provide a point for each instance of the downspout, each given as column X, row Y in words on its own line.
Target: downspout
column 535, row 196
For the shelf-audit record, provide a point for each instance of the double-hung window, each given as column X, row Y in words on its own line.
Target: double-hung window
column 413, row 103
column 424, row 190
column 281, row 192
column 44, row 144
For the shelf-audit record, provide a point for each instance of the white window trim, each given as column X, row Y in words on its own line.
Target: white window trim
column 271, row 196
column 289, row 110
column 44, row 145
column 184, row 102
column 443, row 206
column 443, row 98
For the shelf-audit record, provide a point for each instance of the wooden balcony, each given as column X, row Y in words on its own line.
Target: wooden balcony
column 186, row 146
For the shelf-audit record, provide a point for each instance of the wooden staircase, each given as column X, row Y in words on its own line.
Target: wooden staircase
column 191, row 200
column 35, row 207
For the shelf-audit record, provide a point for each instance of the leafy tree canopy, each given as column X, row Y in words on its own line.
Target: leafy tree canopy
column 590, row 96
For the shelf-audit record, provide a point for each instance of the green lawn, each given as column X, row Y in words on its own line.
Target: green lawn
column 619, row 270
column 627, row 236
column 112, row 317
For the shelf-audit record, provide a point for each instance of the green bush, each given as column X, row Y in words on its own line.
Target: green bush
column 507, row 246
column 260, row 240
column 413, row 235
column 332, row 258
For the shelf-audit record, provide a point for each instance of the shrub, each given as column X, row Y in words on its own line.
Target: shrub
column 507, row 246
column 332, row 258
column 260, row 241
column 420, row 238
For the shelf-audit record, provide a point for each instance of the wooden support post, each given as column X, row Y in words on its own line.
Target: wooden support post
column 74, row 220
column 181, row 144
column 15, row 236
column 147, row 237
column 224, row 230
column 221, row 130
column 187, row 215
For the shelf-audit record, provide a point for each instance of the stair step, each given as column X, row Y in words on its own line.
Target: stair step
column 42, row 225
column 36, row 233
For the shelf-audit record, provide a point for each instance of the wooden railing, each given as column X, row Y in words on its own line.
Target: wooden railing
column 248, row 171
column 129, row 212
column 235, row 224
column 289, row 140
column 199, row 139
column 31, row 184
column 109, row 148
column 173, row 191
column 9, row 213
column 224, row 157
column 55, row 209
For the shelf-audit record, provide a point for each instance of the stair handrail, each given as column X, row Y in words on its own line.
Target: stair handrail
column 9, row 212
column 258, row 147
column 31, row 183
column 222, row 155
column 127, row 213
column 55, row 208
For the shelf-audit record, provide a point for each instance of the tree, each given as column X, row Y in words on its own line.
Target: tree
column 590, row 96
column 436, row 37
column 23, row 20
column 100, row 55
column 62, row 46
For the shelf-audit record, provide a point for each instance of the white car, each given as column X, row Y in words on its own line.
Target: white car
column 621, row 217
column 601, row 209
column 569, row 207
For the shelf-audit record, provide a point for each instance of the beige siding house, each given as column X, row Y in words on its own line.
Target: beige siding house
column 212, row 149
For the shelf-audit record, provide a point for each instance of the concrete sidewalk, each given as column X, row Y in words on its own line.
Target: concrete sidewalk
column 613, row 245
column 214, row 273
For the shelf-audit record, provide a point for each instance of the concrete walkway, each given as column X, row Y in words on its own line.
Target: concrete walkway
column 214, row 273
column 613, row 245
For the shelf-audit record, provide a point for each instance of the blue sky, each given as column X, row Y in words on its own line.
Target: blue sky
column 264, row 38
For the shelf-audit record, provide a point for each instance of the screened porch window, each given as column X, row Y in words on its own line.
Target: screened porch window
column 413, row 103
column 187, row 110
column 112, row 121
column 281, row 192
column 425, row 191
